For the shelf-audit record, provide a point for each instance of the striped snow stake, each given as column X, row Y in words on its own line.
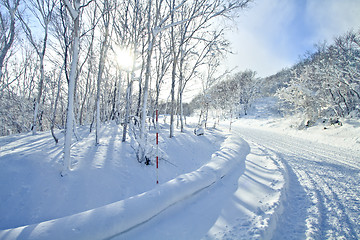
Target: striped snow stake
column 157, row 147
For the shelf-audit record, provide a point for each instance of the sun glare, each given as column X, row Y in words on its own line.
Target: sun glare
column 125, row 58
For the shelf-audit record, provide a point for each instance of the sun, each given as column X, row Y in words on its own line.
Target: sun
column 125, row 58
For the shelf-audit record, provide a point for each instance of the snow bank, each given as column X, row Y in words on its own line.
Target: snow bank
column 118, row 217
column 278, row 209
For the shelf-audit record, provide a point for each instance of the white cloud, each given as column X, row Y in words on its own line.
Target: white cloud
column 272, row 34
column 331, row 18
column 260, row 40
column 253, row 52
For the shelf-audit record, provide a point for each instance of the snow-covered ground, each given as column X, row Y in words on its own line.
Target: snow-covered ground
column 323, row 172
column 264, row 180
column 294, row 185
column 323, row 197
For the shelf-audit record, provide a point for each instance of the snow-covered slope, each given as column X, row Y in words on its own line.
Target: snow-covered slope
column 118, row 217
column 100, row 174
column 32, row 191
column 264, row 114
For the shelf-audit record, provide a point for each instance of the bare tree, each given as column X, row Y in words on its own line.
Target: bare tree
column 129, row 31
column 163, row 63
column 208, row 47
column 56, row 104
column 194, row 18
column 74, row 11
column 103, row 51
column 43, row 11
column 7, row 30
column 173, row 72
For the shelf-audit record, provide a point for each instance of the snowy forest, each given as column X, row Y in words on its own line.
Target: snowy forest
column 323, row 85
column 65, row 64
column 119, row 120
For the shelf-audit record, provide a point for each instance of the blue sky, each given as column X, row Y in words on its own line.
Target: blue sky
column 273, row 34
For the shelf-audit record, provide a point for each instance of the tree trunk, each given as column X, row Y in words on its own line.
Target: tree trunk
column 151, row 43
column 172, row 108
column 118, row 100
column 41, row 81
column 146, row 92
column 55, row 106
column 181, row 111
column 103, row 52
column 11, row 36
column 127, row 108
column 181, row 91
column 173, row 76
column 71, row 92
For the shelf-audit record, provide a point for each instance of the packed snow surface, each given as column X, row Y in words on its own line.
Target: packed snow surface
column 265, row 179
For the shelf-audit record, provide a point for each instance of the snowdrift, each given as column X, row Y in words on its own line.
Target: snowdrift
column 116, row 218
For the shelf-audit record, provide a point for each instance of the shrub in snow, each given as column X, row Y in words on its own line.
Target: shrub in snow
column 15, row 112
column 143, row 148
column 332, row 122
column 200, row 130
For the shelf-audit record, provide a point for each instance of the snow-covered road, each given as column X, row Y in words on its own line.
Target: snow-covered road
column 288, row 188
column 323, row 197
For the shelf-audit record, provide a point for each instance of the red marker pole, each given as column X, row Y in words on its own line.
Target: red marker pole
column 157, row 147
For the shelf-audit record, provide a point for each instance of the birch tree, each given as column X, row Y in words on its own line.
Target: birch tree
column 163, row 63
column 194, row 17
column 152, row 31
column 88, row 89
column 42, row 10
column 154, row 27
column 7, row 30
column 208, row 47
column 169, row 21
column 103, row 51
column 74, row 11
column 173, row 71
column 129, row 31
column 56, row 104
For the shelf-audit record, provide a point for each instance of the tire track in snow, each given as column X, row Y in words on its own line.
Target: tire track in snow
column 317, row 218
column 330, row 178
column 338, row 218
column 334, row 217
